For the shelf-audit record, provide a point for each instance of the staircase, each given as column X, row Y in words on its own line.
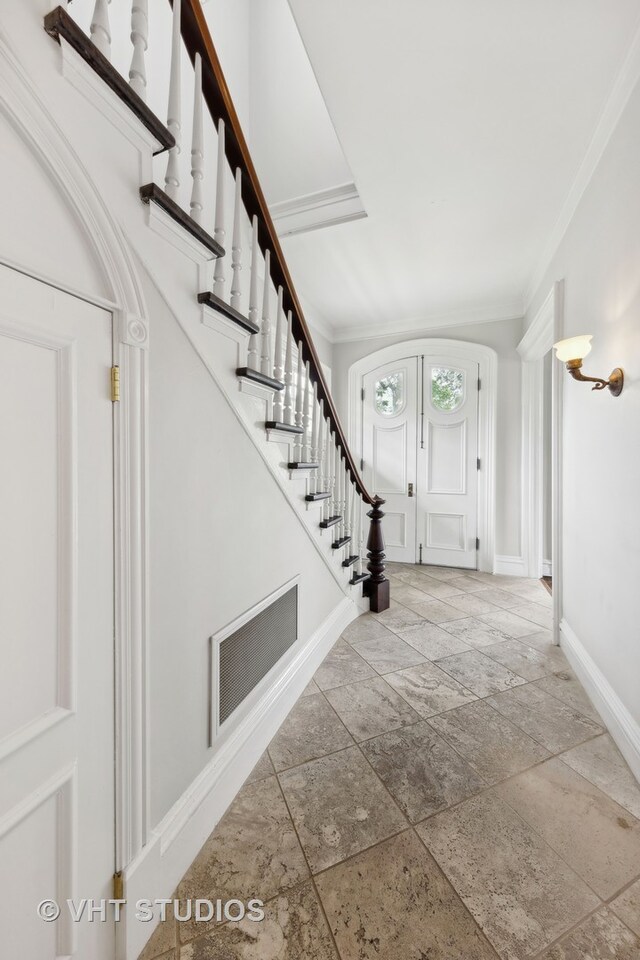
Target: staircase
column 277, row 360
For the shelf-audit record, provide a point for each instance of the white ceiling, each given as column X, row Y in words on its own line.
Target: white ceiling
column 464, row 125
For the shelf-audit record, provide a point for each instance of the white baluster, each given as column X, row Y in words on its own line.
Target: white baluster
column 278, row 360
column 343, row 493
column 299, row 405
column 252, row 360
column 219, row 231
column 174, row 116
column 289, row 389
column 308, row 415
column 319, row 454
column 100, row 30
column 313, row 450
column 139, row 39
column 347, row 512
column 336, row 485
column 236, row 245
column 328, row 476
column 360, row 544
column 266, row 365
column 197, row 147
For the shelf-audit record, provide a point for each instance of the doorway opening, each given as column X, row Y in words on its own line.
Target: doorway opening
column 422, row 417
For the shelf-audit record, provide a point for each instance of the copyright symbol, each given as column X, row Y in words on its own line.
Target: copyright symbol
column 48, row 910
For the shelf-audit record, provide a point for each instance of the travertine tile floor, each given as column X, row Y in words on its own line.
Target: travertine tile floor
column 443, row 790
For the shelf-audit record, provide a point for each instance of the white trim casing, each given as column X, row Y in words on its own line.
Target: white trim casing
column 487, row 360
column 624, row 729
column 543, row 332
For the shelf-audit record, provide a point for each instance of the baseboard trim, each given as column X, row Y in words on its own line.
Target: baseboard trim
column 621, row 725
column 547, row 568
column 176, row 841
column 510, row 566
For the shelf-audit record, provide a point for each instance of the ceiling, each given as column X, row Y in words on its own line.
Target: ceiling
column 464, row 126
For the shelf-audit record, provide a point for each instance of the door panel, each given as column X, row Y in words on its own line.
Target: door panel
column 56, row 618
column 389, row 450
column 447, row 480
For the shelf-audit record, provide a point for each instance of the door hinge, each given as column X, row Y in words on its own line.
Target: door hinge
column 478, row 463
column 118, row 886
column 115, row 384
column 420, row 553
column 479, row 383
column 362, row 394
column 362, row 464
column 477, row 543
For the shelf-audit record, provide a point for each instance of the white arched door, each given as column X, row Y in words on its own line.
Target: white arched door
column 447, row 480
column 389, row 450
column 420, row 454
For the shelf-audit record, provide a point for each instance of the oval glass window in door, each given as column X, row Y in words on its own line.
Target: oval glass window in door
column 447, row 388
column 390, row 395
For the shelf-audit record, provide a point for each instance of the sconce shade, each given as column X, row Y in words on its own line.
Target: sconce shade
column 574, row 348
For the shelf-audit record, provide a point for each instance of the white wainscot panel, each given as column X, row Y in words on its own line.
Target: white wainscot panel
column 446, row 531
column 390, row 459
column 38, row 538
column 395, row 529
column 447, row 457
column 37, row 843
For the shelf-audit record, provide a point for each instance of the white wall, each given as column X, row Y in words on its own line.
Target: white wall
column 222, row 538
column 599, row 259
column 503, row 336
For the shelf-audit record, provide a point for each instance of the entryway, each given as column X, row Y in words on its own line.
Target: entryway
column 57, row 609
column 420, row 425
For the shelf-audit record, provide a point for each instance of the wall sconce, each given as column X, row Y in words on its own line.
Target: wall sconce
column 573, row 351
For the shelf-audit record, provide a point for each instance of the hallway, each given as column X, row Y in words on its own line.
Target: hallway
column 444, row 789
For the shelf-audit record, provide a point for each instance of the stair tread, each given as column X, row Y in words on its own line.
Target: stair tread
column 341, row 542
column 359, row 578
column 152, row 192
column 349, row 561
column 284, row 427
column 331, row 522
column 302, row 465
column 58, row 24
column 209, row 299
column 320, row 495
column 248, row 373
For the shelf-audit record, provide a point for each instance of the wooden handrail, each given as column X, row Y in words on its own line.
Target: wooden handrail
column 197, row 39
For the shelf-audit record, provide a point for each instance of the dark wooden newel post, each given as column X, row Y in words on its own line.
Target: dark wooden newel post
column 377, row 587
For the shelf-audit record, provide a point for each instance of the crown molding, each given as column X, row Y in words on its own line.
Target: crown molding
column 324, row 208
column 489, row 313
column 623, row 87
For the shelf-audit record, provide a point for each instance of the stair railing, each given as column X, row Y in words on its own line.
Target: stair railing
column 281, row 353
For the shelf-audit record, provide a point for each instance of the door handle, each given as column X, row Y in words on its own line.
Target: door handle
column 410, row 490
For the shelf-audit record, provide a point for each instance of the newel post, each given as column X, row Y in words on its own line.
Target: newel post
column 377, row 586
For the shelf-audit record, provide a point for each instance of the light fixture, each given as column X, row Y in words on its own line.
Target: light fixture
column 573, row 351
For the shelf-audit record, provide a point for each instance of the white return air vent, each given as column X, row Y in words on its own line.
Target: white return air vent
column 245, row 652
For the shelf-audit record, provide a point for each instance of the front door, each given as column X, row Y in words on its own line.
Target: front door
column 56, row 621
column 389, row 451
column 447, row 503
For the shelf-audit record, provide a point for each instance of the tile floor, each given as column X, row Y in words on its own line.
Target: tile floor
column 443, row 790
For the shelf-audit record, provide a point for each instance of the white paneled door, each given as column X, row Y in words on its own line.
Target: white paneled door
column 447, row 482
column 389, row 451
column 56, row 620
column 420, row 449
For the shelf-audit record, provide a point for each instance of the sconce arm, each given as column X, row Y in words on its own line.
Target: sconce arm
column 614, row 384
column 573, row 366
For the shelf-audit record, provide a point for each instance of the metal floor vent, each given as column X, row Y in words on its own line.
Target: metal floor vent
column 247, row 655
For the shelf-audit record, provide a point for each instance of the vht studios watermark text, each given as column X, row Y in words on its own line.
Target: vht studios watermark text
column 201, row 911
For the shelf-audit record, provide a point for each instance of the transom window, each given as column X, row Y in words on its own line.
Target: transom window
column 447, row 388
column 390, row 394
